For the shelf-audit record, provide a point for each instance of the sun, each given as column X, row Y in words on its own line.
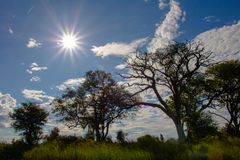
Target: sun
column 69, row 42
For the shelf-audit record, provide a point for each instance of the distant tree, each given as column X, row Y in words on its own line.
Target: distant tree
column 96, row 104
column 225, row 80
column 169, row 69
column 54, row 134
column 29, row 120
column 121, row 136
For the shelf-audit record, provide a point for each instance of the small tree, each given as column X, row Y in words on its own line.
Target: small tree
column 96, row 104
column 28, row 120
column 54, row 134
column 121, row 136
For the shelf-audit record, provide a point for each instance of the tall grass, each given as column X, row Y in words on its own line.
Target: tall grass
column 146, row 148
column 58, row 151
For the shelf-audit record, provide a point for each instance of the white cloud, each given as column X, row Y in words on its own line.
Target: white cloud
column 39, row 68
column 167, row 31
column 70, row 83
column 37, row 95
column 32, row 43
column 35, row 67
column 118, row 48
column 35, row 79
column 34, row 64
column 121, row 66
column 10, row 31
column 224, row 42
column 148, row 120
column 162, row 4
column 7, row 104
column 29, row 71
column 211, row 19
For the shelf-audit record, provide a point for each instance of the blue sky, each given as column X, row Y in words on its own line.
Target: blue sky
column 33, row 67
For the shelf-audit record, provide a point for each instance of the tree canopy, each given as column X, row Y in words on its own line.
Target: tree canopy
column 225, row 80
column 29, row 120
column 96, row 104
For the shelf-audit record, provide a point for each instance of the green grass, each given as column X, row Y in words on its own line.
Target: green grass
column 85, row 152
column 146, row 148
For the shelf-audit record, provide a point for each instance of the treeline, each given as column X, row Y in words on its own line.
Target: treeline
column 196, row 89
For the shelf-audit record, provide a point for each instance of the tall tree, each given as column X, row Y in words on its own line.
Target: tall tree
column 29, row 120
column 169, row 69
column 96, row 104
column 225, row 80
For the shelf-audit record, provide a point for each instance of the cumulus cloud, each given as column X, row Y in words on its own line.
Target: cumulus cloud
column 118, row 48
column 37, row 95
column 35, row 79
column 223, row 42
column 70, row 83
column 33, row 43
column 7, row 104
column 167, row 31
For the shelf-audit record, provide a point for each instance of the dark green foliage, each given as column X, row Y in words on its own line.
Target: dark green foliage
column 201, row 125
column 29, row 120
column 121, row 136
column 13, row 151
column 225, row 81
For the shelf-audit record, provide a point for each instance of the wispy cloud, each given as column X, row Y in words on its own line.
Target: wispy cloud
column 10, row 30
column 223, row 42
column 35, row 79
column 121, row 66
column 211, row 19
column 7, row 104
column 118, row 48
column 167, row 31
column 37, row 95
column 34, row 67
column 30, row 10
column 70, row 83
column 33, row 43
column 162, row 4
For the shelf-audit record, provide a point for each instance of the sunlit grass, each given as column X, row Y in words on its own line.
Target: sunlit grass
column 145, row 148
column 85, row 152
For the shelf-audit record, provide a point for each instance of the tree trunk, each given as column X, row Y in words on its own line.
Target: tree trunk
column 180, row 130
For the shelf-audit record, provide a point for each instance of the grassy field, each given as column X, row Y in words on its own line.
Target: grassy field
column 146, row 148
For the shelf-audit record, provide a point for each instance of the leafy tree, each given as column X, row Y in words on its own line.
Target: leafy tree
column 225, row 80
column 169, row 69
column 200, row 125
column 96, row 104
column 54, row 134
column 121, row 136
column 29, row 120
